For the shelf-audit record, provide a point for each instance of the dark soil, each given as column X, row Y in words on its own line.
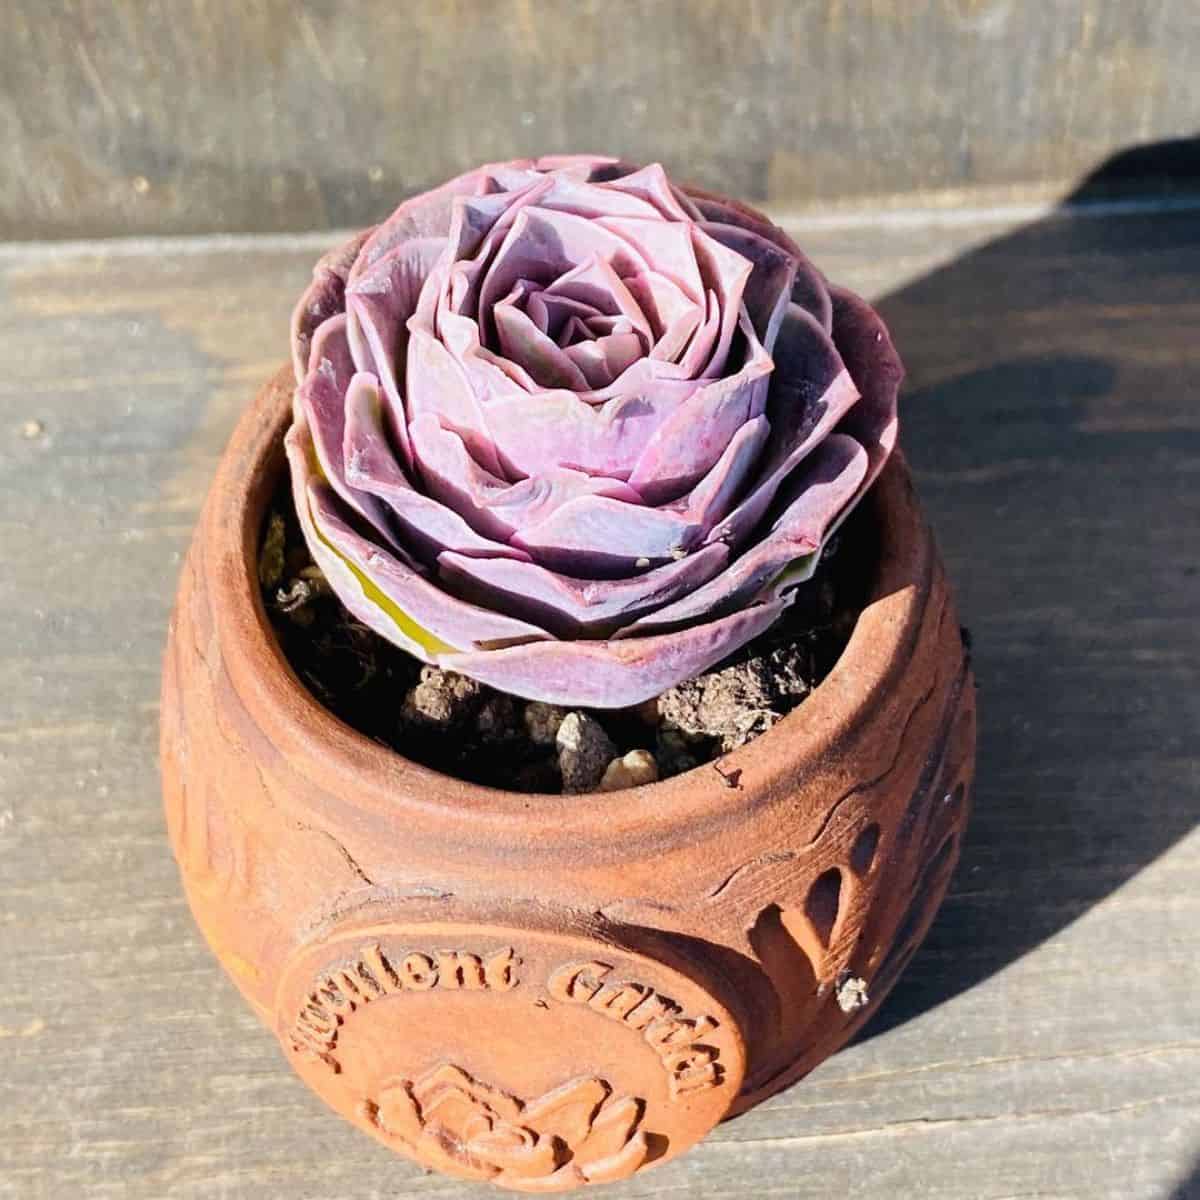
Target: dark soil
column 462, row 728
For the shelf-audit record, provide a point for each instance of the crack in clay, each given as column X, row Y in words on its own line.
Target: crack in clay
column 771, row 858
column 351, row 861
column 613, row 910
column 263, row 785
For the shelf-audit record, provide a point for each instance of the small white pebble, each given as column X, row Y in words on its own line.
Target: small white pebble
column 31, row 429
column 636, row 768
column 141, row 184
column 852, row 994
column 642, row 563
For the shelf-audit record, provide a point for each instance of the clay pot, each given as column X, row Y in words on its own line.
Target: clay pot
column 545, row 991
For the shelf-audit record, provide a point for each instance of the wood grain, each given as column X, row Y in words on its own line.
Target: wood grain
column 1045, row 1042
column 207, row 115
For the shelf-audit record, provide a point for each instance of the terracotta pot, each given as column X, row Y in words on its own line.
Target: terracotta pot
column 545, row 991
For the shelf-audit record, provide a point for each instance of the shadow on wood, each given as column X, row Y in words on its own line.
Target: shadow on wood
column 1051, row 422
column 1188, row 1189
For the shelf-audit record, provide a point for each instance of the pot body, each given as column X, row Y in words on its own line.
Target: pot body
column 547, row 991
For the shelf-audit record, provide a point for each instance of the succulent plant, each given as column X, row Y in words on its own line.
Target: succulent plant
column 577, row 432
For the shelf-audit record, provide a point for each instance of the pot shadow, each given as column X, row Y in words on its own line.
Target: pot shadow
column 1188, row 1188
column 1047, row 420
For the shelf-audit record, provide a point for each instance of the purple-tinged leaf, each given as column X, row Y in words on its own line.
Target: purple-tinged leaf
column 651, row 184
column 353, row 588
column 428, row 526
column 490, row 374
column 702, row 348
column 543, row 245
column 810, row 392
column 672, row 316
column 662, row 246
column 492, row 506
column 323, row 298
column 480, row 221
column 712, row 207
column 453, row 475
column 477, row 231
column 572, row 607
column 598, row 536
column 568, row 429
column 832, row 475
column 769, row 287
column 809, row 289
column 690, row 443
column 595, row 199
column 588, row 166
column 530, row 501
column 725, row 273
column 593, row 282
column 425, row 215
column 550, row 312
column 387, row 585
column 505, row 178
column 439, row 388
column 378, row 306
column 878, row 371
column 601, row 360
column 321, row 400
column 712, row 498
column 548, row 365
column 811, row 293
column 613, row 674
column 866, row 347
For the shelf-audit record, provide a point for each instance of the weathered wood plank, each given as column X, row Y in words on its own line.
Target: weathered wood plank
column 128, row 117
column 1046, row 1041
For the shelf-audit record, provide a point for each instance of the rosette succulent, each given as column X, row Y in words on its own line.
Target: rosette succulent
column 577, row 432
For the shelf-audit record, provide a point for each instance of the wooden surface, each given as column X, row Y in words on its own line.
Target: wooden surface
column 165, row 116
column 1044, row 1043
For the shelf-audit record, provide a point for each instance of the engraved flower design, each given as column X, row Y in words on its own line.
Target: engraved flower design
column 577, row 1133
column 577, row 432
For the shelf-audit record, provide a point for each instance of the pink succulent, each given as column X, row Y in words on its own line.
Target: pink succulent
column 577, row 432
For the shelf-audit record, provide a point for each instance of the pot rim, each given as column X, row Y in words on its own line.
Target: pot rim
column 353, row 770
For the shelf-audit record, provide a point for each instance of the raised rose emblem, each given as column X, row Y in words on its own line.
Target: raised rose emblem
column 578, row 1133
